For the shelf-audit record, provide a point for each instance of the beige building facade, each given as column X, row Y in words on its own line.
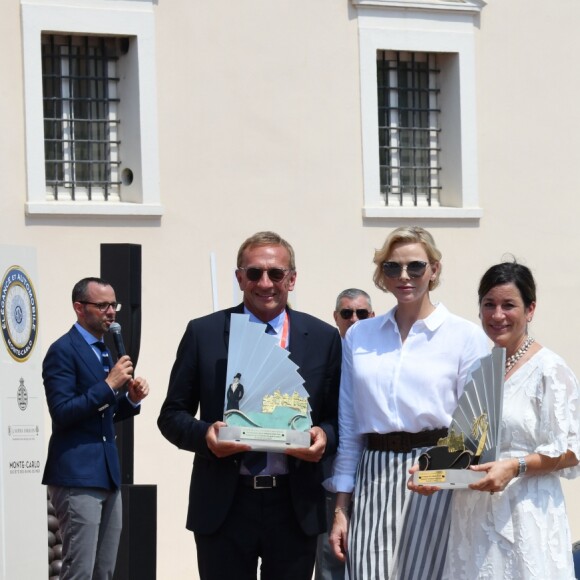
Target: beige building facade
column 233, row 117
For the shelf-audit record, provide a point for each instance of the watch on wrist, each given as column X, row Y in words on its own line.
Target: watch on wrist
column 522, row 466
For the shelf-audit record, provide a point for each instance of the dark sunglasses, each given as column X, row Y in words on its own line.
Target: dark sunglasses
column 255, row 274
column 361, row 313
column 414, row 269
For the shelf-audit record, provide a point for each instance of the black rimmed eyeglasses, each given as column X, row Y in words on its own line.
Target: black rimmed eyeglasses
column 275, row 274
column 414, row 269
column 103, row 306
column 361, row 313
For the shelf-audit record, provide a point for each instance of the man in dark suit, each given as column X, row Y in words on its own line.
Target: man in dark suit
column 85, row 395
column 238, row 516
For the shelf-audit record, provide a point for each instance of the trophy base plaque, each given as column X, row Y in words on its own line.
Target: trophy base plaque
column 447, row 478
column 264, row 439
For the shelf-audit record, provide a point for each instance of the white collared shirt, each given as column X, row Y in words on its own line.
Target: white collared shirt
column 387, row 385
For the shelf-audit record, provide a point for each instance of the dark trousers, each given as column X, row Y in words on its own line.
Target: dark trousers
column 261, row 525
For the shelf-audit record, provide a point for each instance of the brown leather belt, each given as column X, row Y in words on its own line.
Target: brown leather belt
column 403, row 442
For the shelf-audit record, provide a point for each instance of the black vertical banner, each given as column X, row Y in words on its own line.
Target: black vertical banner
column 137, row 555
column 121, row 267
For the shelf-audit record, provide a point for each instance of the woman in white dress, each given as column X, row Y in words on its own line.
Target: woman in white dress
column 402, row 375
column 518, row 528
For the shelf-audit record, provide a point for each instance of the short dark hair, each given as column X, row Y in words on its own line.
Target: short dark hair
column 509, row 273
column 79, row 292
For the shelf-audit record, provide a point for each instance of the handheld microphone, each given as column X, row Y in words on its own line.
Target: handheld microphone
column 115, row 329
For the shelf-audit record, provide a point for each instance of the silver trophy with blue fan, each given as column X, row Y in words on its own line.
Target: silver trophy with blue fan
column 474, row 433
column 265, row 404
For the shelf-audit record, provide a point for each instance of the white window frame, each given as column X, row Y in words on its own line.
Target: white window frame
column 132, row 18
column 446, row 28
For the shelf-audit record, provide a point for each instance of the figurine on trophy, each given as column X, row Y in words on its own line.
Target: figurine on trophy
column 234, row 393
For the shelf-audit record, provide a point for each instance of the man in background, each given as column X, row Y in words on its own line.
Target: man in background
column 352, row 305
column 240, row 512
column 86, row 393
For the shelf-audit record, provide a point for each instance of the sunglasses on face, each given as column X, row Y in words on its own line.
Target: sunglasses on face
column 361, row 313
column 414, row 269
column 255, row 274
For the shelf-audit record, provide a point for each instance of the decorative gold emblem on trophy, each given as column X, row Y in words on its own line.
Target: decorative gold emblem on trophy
column 479, row 431
column 278, row 399
column 454, row 442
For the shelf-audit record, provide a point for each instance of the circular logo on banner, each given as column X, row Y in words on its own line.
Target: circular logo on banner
column 18, row 313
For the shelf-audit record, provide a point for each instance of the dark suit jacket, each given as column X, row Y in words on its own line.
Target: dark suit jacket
column 198, row 381
column 82, row 451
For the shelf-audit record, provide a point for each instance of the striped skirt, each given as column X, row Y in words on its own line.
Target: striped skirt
column 395, row 533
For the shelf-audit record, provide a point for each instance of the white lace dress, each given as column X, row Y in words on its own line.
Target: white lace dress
column 523, row 532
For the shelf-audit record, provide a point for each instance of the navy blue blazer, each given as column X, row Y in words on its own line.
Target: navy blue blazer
column 82, row 451
column 198, row 382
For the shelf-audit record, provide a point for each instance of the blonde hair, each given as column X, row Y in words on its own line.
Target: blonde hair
column 266, row 239
column 406, row 235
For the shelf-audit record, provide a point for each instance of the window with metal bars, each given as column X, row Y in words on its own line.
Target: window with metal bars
column 408, row 128
column 81, row 116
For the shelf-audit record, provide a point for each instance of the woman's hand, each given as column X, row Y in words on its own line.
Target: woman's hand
column 421, row 489
column 338, row 535
column 498, row 474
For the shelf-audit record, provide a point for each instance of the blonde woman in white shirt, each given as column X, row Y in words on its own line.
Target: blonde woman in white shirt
column 402, row 375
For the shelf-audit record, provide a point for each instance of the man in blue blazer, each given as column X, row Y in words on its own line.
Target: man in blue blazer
column 236, row 514
column 85, row 396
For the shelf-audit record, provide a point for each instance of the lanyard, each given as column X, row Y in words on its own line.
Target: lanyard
column 285, row 329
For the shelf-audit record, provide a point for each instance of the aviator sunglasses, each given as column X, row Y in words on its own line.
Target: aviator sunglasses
column 361, row 313
column 255, row 274
column 414, row 269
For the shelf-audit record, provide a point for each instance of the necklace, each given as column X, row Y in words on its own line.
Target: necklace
column 512, row 360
